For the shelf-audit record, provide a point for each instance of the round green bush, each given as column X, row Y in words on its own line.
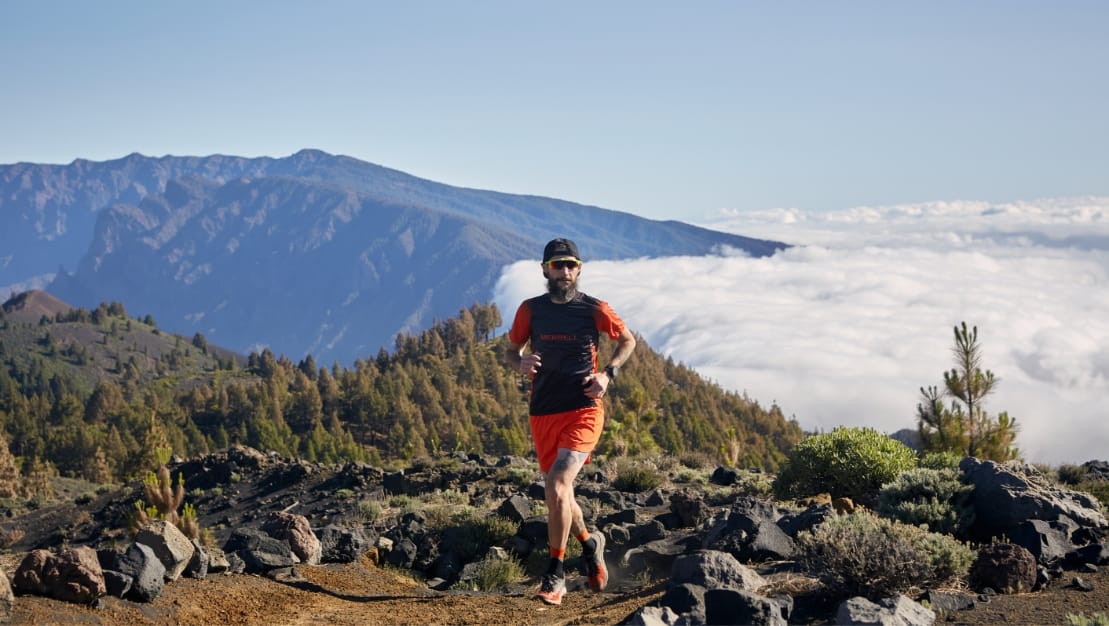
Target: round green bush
column 847, row 462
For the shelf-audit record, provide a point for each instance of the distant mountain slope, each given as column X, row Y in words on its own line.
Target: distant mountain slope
column 313, row 253
column 43, row 338
column 30, row 306
column 299, row 266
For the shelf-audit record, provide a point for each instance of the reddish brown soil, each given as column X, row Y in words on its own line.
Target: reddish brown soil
column 353, row 594
column 361, row 593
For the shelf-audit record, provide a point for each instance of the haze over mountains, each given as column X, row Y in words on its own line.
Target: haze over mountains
column 309, row 254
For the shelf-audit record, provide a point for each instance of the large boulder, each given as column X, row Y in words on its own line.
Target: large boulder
column 199, row 563
column 653, row 616
column 1004, row 567
column 169, row 544
column 296, row 530
column 342, row 545
column 73, row 575
column 1096, row 470
column 713, row 569
column 656, row 558
column 712, row 587
column 1048, row 541
column 750, row 531
column 516, row 508
column 30, row 576
column 148, row 574
column 690, row 507
column 258, row 551
column 733, row 606
column 687, row 600
column 403, row 553
column 814, row 515
column 1008, row 494
column 896, row 611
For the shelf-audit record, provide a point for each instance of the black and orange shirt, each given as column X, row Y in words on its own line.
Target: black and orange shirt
column 566, row 336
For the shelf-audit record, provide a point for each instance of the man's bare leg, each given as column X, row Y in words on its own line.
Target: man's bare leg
column 564, row 516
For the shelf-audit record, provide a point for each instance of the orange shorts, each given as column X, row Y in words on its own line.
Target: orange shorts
column 578, row 430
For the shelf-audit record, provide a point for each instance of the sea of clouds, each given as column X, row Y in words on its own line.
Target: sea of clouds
column 846, row 326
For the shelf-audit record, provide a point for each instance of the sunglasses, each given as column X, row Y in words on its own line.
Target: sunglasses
column 563, row 265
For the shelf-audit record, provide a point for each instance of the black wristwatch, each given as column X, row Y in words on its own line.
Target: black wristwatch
column 611, row 370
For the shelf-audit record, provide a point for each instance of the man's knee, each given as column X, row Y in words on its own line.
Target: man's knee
column 559, row 488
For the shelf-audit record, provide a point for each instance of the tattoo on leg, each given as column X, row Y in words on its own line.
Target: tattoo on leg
column 561, row 464
column 568, row 459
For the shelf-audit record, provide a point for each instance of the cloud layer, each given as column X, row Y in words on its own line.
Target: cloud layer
column 845, row 327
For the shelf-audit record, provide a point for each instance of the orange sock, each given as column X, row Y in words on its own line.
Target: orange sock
column 558, row 554
column 583, row 537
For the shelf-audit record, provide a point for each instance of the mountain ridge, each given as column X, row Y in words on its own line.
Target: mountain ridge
column 222, row 244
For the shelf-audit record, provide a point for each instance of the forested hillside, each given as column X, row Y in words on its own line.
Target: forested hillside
column 94, row 394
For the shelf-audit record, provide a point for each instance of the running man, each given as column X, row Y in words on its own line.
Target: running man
column 563, row 328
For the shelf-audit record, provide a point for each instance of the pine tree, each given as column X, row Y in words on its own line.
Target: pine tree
column 40, row 479
column 100, row 470
column 11, row 481
column 964, row 426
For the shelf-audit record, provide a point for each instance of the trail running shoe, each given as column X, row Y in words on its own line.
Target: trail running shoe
column 552, row 589
column 594, row 563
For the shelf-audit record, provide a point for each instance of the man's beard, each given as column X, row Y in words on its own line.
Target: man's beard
column 561, row 291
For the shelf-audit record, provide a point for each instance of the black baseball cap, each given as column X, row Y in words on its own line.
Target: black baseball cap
column 560, row 249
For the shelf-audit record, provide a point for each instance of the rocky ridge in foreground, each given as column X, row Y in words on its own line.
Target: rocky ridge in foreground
column 720, row 547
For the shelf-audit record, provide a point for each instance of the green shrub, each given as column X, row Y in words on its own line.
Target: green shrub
column 691, row 475
column 1071, row 474
column 847, row 462
column 1097, row 619
column 519, row 476
column 936, row 498
column 448, row 463
column 493, row 574
column 755, row 483
column 471, row 532
column 1096, row 488
column 451, row 498
column 635, row 476
column 370, row 510
column 440, row 516
column 940, row 460
column 696, row 460
column 863, row 554
column 400, row 501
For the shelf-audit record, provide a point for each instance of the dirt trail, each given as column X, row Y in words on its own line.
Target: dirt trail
column 352, row 594
column 360, row 593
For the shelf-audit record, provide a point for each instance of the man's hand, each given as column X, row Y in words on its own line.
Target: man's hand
column 530, row 364
column 596, row 384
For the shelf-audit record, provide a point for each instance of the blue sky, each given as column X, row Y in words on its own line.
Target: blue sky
column 934, row 162
column 663, row 109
